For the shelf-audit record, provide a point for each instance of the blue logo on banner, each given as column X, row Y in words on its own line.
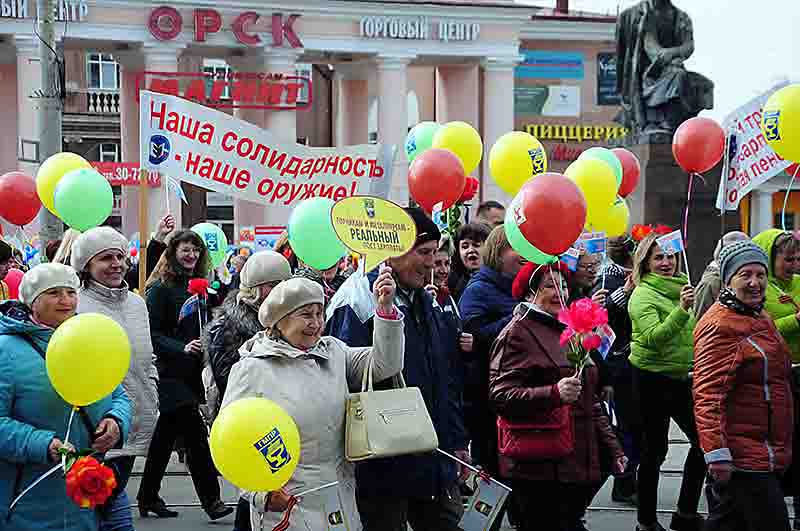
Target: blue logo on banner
column 771, row 125
column 274, row 450
column 159, row 149
column 544, row 64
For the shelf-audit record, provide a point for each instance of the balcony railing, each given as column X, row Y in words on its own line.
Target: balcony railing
column 102, row 101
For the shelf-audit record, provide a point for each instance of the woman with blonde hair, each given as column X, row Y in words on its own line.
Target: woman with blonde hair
column 487, row 306
column 660, row 309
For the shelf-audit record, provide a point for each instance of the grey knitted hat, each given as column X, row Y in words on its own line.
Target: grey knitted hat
column 44, row 277
column 287, row 297
column 735, row 256
column 93, row 242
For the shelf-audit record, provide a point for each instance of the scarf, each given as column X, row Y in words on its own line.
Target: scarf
column 728, row 299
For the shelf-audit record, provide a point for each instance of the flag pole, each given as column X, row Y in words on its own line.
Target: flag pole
column 144, row 236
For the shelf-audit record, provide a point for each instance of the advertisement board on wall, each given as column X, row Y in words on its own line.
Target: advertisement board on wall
column 548, row 100
column 607, row 79
column 546, row 64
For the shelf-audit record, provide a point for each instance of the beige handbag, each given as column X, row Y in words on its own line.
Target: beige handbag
column 387, row 423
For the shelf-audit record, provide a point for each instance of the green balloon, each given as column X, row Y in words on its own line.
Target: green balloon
column 521, row 245
column 607, row 156
column 216, row 241
column 84, row 199
column 420, row 139
column 312, row 236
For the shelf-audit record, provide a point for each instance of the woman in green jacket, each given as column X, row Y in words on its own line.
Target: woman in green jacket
column 661, row 355
column 783, row 290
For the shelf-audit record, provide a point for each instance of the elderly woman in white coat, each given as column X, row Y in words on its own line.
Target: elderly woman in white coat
column 98, row 255
column 310, row 376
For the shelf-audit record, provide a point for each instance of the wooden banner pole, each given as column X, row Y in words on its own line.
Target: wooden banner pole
column 144, row 234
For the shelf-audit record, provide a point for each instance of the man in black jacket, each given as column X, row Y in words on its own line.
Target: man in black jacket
column 421, row 490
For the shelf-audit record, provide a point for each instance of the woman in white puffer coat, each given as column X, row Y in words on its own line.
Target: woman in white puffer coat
column 98, row 255
column 310, row 377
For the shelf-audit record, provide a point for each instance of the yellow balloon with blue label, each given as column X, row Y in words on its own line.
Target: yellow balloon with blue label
column 255, row 444
column 780, row 122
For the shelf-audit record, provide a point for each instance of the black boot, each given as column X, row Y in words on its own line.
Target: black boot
column 624, row 490
column 157, row 507
column 684, row 522
column 218, row 510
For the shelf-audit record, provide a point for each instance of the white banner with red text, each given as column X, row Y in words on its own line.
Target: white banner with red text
column 210, row 149
column 749, row 161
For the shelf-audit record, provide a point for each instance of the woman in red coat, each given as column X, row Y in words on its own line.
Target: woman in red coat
column 531, row 379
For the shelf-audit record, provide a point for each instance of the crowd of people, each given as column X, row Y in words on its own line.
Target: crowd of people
column 462, row 317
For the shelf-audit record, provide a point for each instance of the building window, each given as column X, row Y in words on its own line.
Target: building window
column 217, row 69
column 303, row 70
column 109, row 152
column 102, row 71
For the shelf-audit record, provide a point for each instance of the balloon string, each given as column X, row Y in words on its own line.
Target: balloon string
column 557, row 285
column 686, row 210
column 786, row 198
column 66, row 437
column 32, row 485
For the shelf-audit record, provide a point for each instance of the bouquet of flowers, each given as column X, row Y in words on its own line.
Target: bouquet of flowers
column 582, row 319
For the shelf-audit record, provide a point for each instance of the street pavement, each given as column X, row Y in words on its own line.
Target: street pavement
column 604, row 515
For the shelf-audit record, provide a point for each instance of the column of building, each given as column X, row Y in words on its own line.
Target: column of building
column 393, row 118
column 498, row 117
column 153, row 57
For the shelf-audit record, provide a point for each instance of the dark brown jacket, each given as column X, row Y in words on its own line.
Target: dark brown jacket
column 743, row 401
column 527, row 362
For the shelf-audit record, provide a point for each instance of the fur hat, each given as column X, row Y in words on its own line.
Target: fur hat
column 44, row 277
column 287, row 297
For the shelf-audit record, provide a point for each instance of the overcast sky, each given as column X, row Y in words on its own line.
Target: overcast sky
column 744, row 47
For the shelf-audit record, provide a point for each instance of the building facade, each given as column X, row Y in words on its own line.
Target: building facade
column 372, row 70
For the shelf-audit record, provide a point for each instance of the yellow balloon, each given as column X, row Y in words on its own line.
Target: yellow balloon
column 463, row 140
column 598, row 183
column 614, row 221
column 515, row 158
column 87, row 358
column 50, row 173
column 255, row 444
column 780, row 122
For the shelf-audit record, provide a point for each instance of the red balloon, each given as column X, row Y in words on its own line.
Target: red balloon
column 698, row 144
column 436, row 176
column 792, row 168
column 19, row 203
column 631, row 171
column 134, row 252
column 552, row 212
column 13, row 280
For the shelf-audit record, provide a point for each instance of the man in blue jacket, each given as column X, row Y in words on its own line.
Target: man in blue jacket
column 420, row 490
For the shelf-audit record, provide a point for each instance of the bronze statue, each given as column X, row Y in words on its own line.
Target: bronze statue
column 654, row 38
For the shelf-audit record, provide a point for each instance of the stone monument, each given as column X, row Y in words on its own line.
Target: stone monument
column 654, row 39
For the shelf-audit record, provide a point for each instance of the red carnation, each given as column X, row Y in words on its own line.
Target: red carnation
column 640, row 232
column 470, row 189
column 198, row 286
column 90, row 483
column 663, row 230
column 591, row 342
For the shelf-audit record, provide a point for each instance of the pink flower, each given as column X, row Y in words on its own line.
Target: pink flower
column 591, row 342
column 566, row 335
column 583, row 316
